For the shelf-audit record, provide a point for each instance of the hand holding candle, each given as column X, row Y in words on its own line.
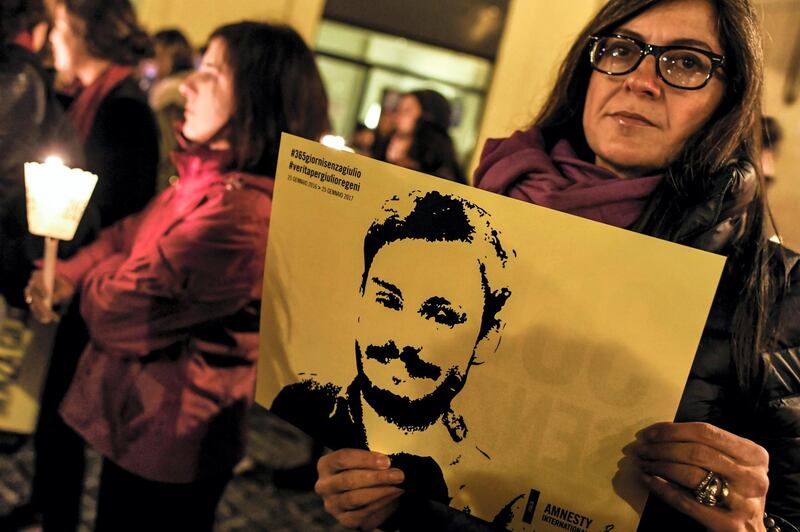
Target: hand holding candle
column 42, row 297
column 56, row 198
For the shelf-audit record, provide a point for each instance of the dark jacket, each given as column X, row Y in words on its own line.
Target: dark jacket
column 122, row 149
column 771, row 420
column 776, row 424
column 712, row 394
column 32, row 126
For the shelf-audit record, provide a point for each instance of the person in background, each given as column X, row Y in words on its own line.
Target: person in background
column 385, row 127
column 173, row 54
column 420, row 140
column 654, row 125
column 173, row 61
column 33, row 126
column 25, row 24
column 98, row 42
column 425, row 104
column 363, row 140
column 429, row 150
column 171, row 295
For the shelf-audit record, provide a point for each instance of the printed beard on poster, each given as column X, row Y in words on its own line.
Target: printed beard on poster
column 474, row 338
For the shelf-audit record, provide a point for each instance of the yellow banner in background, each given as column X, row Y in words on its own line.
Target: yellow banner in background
column 501, row 352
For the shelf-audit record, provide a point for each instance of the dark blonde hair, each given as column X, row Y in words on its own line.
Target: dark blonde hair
column 731, row 133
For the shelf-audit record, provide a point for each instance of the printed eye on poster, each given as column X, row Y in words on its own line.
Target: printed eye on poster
column 502, row 353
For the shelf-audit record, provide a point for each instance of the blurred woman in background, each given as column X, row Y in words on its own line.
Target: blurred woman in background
column 173, row 60
column 429, row 149
column 420, row 140
column 33, row 126
column 98, row 42
column 425, row 104
column 171, row 296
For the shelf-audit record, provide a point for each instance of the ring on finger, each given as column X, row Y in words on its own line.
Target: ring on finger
column 712, row 490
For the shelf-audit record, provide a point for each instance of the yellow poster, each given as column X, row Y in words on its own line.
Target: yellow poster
column 501, row 352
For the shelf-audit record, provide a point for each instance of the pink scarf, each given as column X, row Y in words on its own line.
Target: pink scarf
column 193, row 160
column 84, row 108
column 521, row 168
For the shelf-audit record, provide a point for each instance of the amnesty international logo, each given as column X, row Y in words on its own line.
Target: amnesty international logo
column 565, row 518
column 557, row 516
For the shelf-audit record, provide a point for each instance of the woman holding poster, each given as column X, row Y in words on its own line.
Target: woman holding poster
column 171, row 296
column 653, row 126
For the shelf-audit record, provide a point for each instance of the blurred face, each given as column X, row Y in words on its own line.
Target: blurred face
column 397, row 151
column 419, row 324
column 162, row 60
column 636, row 123
column 209, row 96
column 363, row 141
column 69, row 47
column 408, row 112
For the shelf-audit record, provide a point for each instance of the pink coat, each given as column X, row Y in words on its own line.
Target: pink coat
column 171, row 300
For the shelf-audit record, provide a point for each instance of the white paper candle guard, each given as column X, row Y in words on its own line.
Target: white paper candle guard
column 56, row 197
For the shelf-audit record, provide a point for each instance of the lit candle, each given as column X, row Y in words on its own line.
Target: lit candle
column 56, row 198
column 335, row 142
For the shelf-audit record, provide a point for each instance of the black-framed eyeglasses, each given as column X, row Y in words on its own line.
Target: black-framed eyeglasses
column 682, row 67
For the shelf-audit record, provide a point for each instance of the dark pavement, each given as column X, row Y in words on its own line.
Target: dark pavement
column 251, row 502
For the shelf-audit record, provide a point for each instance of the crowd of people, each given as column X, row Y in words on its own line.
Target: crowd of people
column 653, row 124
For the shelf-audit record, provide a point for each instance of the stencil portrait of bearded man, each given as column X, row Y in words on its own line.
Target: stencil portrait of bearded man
column 430, row 299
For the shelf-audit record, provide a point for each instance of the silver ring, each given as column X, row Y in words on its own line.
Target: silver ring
column 712, row 490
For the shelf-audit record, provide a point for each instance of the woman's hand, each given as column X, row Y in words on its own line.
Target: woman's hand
column 358, row 487
column 675, row 458
column 36, row 294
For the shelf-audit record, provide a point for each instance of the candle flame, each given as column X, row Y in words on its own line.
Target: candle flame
column 53, row 160
column 335, row 142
